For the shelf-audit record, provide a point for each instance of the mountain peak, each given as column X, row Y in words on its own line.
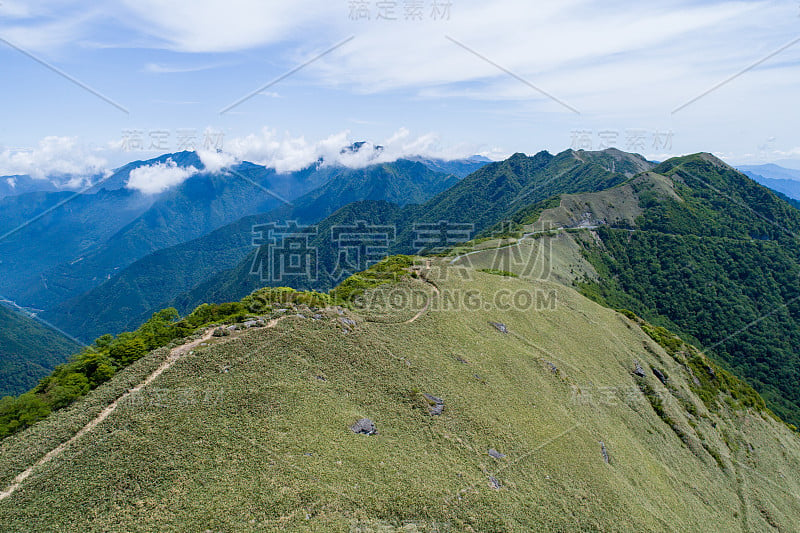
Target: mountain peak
column 702, row 159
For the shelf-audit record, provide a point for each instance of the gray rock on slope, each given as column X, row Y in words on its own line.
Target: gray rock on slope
column 500, row 327
column 497, row 455
column 604, row 452
column 435, row 405
column 365, row 426
column 660, row 375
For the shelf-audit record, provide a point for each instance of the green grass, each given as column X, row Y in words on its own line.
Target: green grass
column 498, row 272
column 251, row 433
column 389, row 270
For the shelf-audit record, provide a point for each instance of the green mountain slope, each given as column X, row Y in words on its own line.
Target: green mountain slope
column 198, row 206
column 136, row 292
column 28, row 351
column 234, row 284
column 39, row 230
column 544, row 426
column 483, row 199
column 702, row 249
column 498, row 190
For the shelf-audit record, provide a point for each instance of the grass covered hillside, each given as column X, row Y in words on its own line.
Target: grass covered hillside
column 553, row 413
column 692, row 245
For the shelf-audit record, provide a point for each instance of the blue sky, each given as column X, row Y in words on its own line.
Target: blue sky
column 449, row 78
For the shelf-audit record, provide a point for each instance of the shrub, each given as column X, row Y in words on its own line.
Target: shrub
column 389, row 270
column 498, row 272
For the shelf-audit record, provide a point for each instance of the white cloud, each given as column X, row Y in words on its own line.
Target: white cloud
column 55, row 158
column 157, row 178
column 12, row 182
column 622, row 64
column 158, row 68
column 16, row 9
column 289, row 154
column 233, row 25
column 215, row 161
column 46, row 29
column 589, row 54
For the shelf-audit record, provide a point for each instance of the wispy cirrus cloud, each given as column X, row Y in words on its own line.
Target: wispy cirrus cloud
column 158, row 68
column 619, row 63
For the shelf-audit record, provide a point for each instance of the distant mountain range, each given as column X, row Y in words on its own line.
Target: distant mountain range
column 777, row 178
column 480, row 201
column 21, row 184
column 124, row 253
column 148, row 284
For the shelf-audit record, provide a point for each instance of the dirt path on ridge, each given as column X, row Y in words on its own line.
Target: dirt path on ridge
column 174, row 355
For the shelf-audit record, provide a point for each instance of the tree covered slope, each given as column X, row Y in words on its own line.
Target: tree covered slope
column 128, row 298
column 28, row 351
column 478, row 202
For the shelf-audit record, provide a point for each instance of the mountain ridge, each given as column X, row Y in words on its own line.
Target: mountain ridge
column 538, row 430
column 700, row 249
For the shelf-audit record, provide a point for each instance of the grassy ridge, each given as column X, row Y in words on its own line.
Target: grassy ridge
column 269, row 448
column 99, row 362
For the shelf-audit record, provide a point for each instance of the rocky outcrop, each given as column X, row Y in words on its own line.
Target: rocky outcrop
column 365, row 426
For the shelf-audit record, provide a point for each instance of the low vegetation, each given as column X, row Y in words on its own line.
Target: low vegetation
column 99, row 362
column 498, row 272
column 265, row 417
column 389, row 270
column 710, row 382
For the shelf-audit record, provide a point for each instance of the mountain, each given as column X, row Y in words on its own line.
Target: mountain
column 39, row 230
column 22, row 184
column 237, row 282
column 499, row 189
column 28, row 351
column 783, row 180
column 199, row 205
column 119, row 178
column 483, row 199
column 128, row 298
column 458, row 167
column 771, row 171
column 699, row 248
column 489, row 387
column 565, row 416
